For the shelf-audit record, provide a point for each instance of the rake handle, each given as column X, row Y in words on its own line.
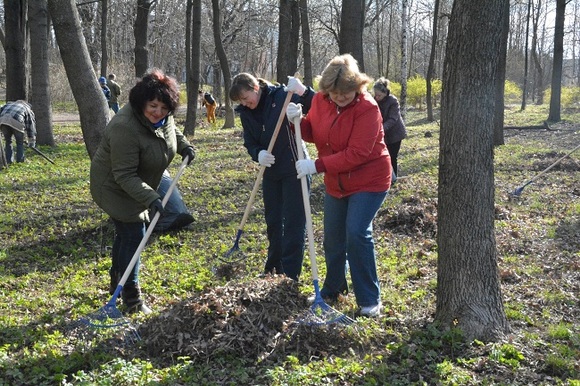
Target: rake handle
column 263, row 168
column 148, row 233
column 552, row 165
column 307, row 209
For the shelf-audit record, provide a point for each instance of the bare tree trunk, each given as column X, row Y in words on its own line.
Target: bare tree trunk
column 221, row 53
column 15, row 16
column 503, row 20
column 403, row 98
column 468, row 289
column 536, row 56
column 350, row 36
column 104, row 39
column 40, row 95
column 306, row 52
column 430, row 68
column 193, row 63
column 556, row 94
column 526, row 59
column 288, row 32
column 140, row 33
column 92, row 105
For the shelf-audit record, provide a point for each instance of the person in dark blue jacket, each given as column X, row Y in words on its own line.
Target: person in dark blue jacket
column 260, row 106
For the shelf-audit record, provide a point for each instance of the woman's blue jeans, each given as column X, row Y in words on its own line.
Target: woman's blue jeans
column 128, row 236
column 348, row 227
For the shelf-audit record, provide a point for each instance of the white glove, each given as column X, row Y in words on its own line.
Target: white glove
column 295, row 86
column 31, row 142
column 293, row 110
column 304, row 167
column 266, row 159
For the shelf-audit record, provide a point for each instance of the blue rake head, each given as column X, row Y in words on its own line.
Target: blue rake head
column 234, row 253
column 321, row 313
column 109, row 316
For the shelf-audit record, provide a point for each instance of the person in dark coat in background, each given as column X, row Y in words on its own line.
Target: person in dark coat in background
column 137, row 146
column 105, row 88
column 115, row 92
column 261, row 104
column 393, row 124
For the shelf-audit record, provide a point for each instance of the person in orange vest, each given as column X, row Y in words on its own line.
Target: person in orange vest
column 210, row 105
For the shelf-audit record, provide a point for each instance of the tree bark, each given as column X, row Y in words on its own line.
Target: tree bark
column 556, row 94
column 140, row 32
column 104, row 37
column 288, row 33
column 221, row 53
column 193, row 64
column 468, row 289
column 431, row 67
column 92, row 105
column 15, row 16
column 306, row 51
column 503, row 20
column 350, row 37
column 39, row 72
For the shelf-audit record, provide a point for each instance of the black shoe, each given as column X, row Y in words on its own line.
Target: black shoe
column 132, row 299
column 182, row 220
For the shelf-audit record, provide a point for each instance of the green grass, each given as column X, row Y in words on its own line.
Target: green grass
column 54, row 259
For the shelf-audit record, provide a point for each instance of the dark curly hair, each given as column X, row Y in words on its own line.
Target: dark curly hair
column 155, row 85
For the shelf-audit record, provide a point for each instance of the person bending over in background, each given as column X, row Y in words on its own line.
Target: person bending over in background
column 16, row 120
column 393, row 124
column 115, row 93
column 344, row 122
column 261, row 104
column 137, row 146
column 210, row 105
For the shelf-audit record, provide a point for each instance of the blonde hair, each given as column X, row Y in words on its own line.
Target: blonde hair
column 342, row 75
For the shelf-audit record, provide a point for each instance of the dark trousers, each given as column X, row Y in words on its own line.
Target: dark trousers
column 128, row 236
column 286, row 224
column 394, row 153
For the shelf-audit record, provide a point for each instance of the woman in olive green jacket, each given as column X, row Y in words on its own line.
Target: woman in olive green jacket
column 137, row 146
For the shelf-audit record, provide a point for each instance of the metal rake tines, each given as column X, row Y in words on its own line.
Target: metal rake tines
column 110, row 316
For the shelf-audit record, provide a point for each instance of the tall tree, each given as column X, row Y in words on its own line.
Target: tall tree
column 141, row 34
column 503, row 20
column 526, row 60
column 468, row 290
column 15, row 15
column 104, row 37
column 431, row 67
column 556, row 94
column 288, row 35
column 192, row 60
column 92, row 105
column 225, row 67
column 40, row 85
column 306, row 51
column 350, row 37
column 404, row 24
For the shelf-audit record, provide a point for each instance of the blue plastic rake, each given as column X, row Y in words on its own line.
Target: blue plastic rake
column 109, row 316
column 320, row 312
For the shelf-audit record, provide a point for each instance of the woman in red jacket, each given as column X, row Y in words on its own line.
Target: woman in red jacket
column 345, row 124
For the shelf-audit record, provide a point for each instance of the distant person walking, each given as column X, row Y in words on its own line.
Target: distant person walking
column 106, row 90
column 16, row 120
column 210, row 105
column 393, row 124
column 115, row 93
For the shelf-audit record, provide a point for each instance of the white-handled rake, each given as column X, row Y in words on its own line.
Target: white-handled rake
column 320, row 312
column 109, row 315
